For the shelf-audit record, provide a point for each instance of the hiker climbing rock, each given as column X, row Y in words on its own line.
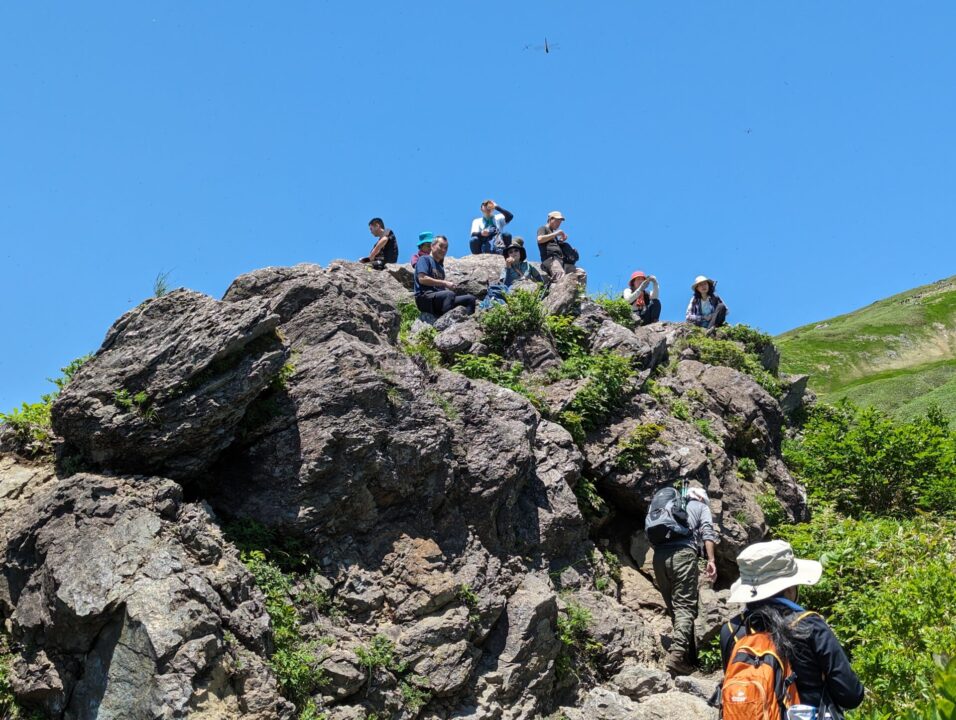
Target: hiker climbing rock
column 487, row 231
column 645, row 303
column 385, row 249
column 706, row 309
column 558, row 258
column 433, row 293
column 424, row 246
column 677, row 524
column 773, row 622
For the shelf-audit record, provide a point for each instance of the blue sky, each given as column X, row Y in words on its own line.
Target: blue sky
column 801, row 153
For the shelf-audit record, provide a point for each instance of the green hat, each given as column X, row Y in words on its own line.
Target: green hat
column 425, row 237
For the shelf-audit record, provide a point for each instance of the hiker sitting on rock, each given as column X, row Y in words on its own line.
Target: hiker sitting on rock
column 677, row 524
column 770, row 577
column 645, row 305
column 557, row 256
column 433, row 293
column 487, row 231
column 706, row 309
column 385, row 249
column 516, row 268
column 424, row 246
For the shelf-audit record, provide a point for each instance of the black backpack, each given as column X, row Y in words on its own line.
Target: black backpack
column 570, row 254
column 667, row 517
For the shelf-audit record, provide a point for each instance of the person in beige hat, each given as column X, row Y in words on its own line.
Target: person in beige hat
column 769, row 583
column 550, row 237
column 705, row 308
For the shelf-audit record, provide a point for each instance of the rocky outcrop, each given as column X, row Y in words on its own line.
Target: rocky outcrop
column 441, row 517
column 124, row 598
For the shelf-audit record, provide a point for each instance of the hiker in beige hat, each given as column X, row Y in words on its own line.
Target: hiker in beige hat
column 769, row 583
column 706, row 309
column 552, row 241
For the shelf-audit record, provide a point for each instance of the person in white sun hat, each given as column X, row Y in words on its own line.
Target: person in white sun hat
column 769, row 583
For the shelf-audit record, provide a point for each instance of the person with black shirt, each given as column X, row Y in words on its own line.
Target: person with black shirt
column 385, row 249
column 770, row 576
column 550, row 238
column 433, row 293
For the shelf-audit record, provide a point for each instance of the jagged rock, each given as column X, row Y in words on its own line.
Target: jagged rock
column 795, row 397
column 637, row 682
column 452, row 317
column 563, row 295
column 704, row 689
column 170, row 384
column 462, row 337
column 535, row 352
column 674, row 706
column 472, row 274
column 122, row 593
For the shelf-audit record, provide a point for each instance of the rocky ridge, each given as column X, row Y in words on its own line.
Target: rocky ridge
column 458, row 553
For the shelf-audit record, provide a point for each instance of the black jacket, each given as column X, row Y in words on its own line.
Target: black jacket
column 820, row 664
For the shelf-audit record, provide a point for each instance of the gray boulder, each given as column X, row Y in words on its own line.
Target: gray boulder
column 170, row 384
column 122, row 595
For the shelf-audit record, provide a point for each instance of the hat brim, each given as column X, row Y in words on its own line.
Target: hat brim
column 808, row 573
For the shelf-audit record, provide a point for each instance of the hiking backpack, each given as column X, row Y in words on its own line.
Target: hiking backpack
column 759, row 683
column 667, row 517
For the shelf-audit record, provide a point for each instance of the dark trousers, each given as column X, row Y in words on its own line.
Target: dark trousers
column 441, row 301
column 651, row 312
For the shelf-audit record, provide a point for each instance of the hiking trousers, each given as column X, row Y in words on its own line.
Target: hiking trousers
column 440, row 302
column 676, row 571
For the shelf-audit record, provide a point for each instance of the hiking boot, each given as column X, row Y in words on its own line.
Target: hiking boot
column 677, row 665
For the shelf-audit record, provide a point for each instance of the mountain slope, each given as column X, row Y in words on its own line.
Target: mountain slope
column 898, row 354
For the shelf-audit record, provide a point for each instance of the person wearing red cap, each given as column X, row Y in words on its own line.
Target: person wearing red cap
column 645, row 304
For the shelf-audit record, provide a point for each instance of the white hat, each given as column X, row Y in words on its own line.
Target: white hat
column 698, row 280
column 698, row 494
column 767, row 568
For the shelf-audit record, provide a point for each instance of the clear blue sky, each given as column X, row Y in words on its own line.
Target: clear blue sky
column 801, row 153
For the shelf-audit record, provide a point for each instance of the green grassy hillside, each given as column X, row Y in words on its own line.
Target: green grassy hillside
column 898, row 354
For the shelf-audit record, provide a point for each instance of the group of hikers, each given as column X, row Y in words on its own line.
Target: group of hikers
column 436, row 295
column 779, row 660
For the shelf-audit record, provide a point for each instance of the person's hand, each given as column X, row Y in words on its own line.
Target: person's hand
column 710, row 572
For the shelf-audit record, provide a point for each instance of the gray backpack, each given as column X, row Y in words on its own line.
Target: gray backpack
column 667, row 518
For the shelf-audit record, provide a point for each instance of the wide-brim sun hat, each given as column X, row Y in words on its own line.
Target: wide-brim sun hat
column 425, row 237
column 698, row 280
column 517, row 244
column 767, row 568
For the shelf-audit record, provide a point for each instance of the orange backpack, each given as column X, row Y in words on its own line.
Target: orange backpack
column 759, row 683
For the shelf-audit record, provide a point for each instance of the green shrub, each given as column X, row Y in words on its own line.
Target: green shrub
column 618, row 308
column 729, row 354
column 522, row 312
column 31, row 421
column 773, row 510
column 634, row 450
column 608, row 379
column 680, row 410
column 579, row 649
column 887, row 592
column 568, row 338
column 752, row 339
column 422, row 345
column 746, row 468
column 868, row 463
column 703, row 425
